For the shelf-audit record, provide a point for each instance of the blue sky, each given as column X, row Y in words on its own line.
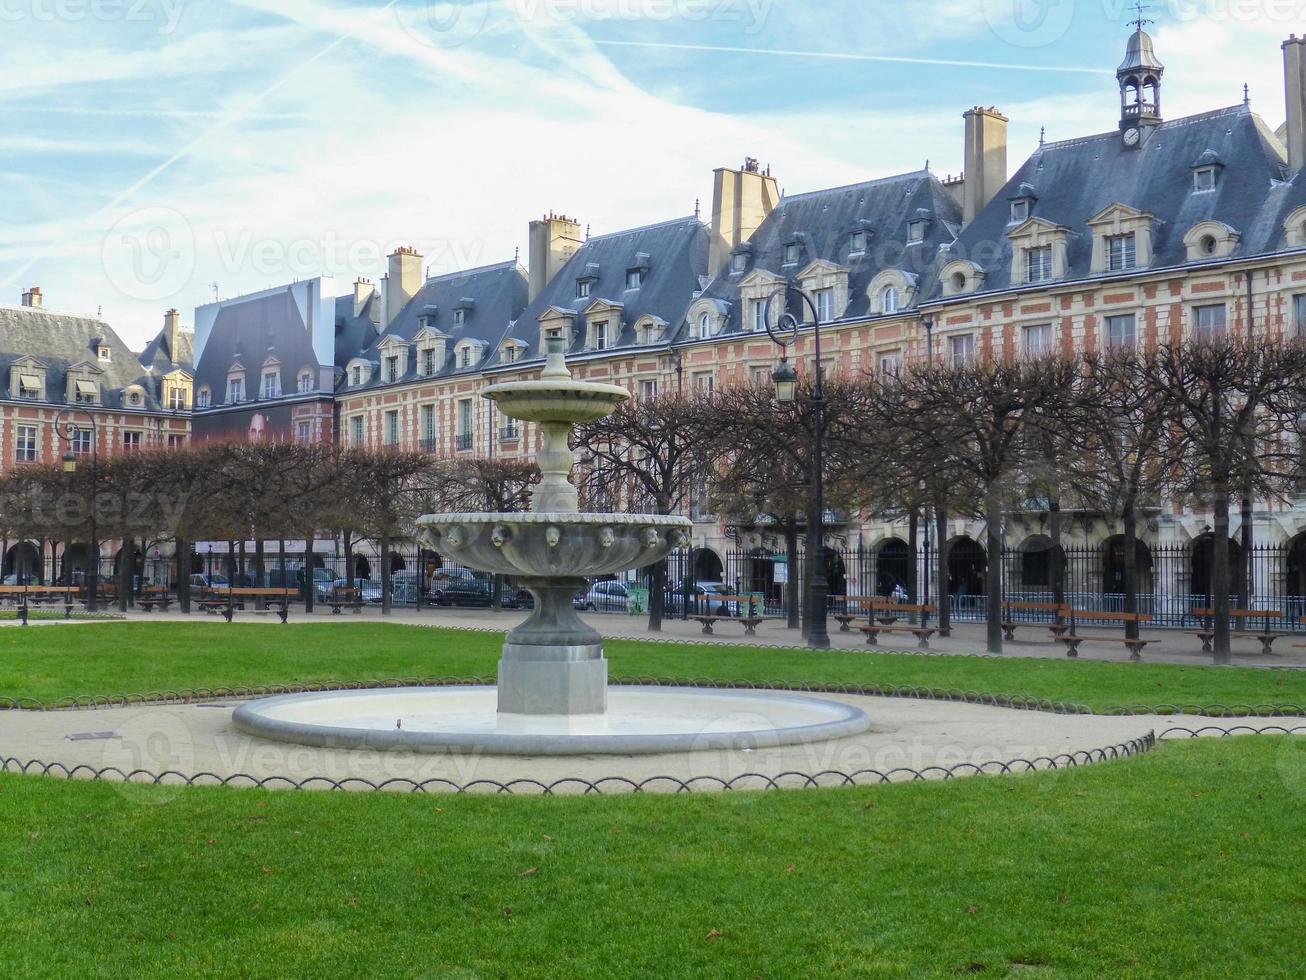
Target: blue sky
column 152, row 148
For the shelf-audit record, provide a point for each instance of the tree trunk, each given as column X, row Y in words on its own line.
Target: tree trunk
column 913, row 536
column 386, row 604
column 182, row 547
column 126, row 565
column 310, row 577
column 993, row 570
column 260, row 574
column 1245, row 534
column 657, row 597
column 1220, row 576
column 944, row 586
column 348, row 540
column 1131, row 568
column 793, row 590
column 496, row 600
column 1056, row 560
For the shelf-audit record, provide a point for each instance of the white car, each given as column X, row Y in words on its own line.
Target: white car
column 605, row 597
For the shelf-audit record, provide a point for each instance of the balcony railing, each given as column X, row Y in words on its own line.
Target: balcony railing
column 510, row 433
column 463, row 442
column 429, row 445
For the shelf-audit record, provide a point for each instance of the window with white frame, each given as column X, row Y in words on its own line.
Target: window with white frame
column 1120, row 332
column 648, row 390
column 105, row 354
column 459, row 317
column 1209, row 321
column 235, row 390
column 739, row 263
column 1299, row 313
column 428, row 427
column 634, row 278
column 1020, row 210
column 582, row 288
column 272, row 384
column 465, row 423
column 205, row 397
column 131, row 442
column 1121, row 252
column 704, row 326
column 29, row 386
column 889, row 300
column 390, row 369
column 601, row 338
column 465, row 356
column 704, row 382
column 356, row 376
column 177, row 398
column 891, row 364
column 426, row 361
column 82, row 442
column 356, row 430
column 303, row 432
column 305, row 382
column 793, row 252
column 758, row 306
column 1038, row 340
column 1038, row 263
column 25, row 444
column 86, row 391
column 510, row 353
column 961, row 349
column 825, row 305
column 392, row 428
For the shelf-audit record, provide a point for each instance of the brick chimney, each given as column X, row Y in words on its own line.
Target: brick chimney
column 741, row 200
column 172, row 333
column 554, row 239
column 32, row 297
column 402, row 282
column 986, row 159
column 1294, row 81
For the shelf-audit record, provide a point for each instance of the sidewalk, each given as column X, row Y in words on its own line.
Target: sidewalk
column 1170, row 646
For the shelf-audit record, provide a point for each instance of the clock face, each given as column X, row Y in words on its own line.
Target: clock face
column 1131, row 137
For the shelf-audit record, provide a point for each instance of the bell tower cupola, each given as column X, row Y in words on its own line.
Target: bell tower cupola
column 1140, row 83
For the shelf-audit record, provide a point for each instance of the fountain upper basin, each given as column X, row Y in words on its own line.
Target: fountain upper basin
column 551, row 545
column 559, row 401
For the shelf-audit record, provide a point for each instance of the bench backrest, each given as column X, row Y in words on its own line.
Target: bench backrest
column 257, row 592
column 1113, row 617
column 1241, row 613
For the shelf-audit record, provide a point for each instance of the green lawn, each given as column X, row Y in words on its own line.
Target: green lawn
column 1183, row 863
column 49, row 663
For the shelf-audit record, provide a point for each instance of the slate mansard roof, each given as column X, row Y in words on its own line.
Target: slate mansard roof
column 1075, row 180
column 158, row 358
column 355, row 334
column 489, row 298
column 59, row 342
column 673, row 258
column 823, row 222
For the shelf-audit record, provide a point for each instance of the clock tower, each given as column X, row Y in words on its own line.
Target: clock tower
column 1140, row 86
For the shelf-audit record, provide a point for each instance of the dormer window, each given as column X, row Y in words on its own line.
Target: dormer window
column 1038, row 264
column 1020, row 210
column 583, row 288
column 29, row 387
column 356, row 376
column 272, row 384
column 915, row 232
column 204, row 398
column 705, row 326
column 465, row 356
column 1206, row 171
column 634, row 278
column 459, row 317
column 793, row 252
column 235, row 390
column 305, row 382
column 857, row 243
column 176, row 399
column 889, row 299
column 601, row 339
column 510, row 353
column 825, row 305
column 1204, row 179
column 1121, row 252
column 391, row 369
column 86, row 392
column 105, row 354
column 739, row 263
column 426, row 362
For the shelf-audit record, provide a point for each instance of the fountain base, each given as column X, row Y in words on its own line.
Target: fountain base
column 638, row 721
column 553, row 680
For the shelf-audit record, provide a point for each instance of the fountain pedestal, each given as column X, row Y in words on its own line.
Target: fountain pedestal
column 553, row 663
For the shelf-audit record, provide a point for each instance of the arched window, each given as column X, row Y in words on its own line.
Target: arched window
column 705, row 325
column 889, row 300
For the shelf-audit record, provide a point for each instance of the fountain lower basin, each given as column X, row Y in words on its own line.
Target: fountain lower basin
column 638, row 721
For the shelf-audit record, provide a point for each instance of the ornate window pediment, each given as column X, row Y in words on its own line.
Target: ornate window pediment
column 27, row 379
column 1122, row 238
column 557, row 321
column 1033, row 236
column 1210, row 240
column 707, row 318
column 603, row 323
column 358, row 372
column 83, row 383
column 650, row 329
column 892, row 291
column 828, row 283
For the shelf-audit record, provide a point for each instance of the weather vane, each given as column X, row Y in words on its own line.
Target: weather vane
column 1140, row 20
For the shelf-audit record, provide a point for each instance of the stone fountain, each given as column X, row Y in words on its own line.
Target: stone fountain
column 552, row 696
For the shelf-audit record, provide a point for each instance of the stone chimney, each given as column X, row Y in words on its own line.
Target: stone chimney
column 363, row 290
column 1294, row 77
column 403, row 281
column 554, row 239
column 32, row 297
column 172, row 333
column 986, row 159
column 741, row 200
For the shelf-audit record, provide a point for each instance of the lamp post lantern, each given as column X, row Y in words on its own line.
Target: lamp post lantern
column 784, row 333
column 69, row 431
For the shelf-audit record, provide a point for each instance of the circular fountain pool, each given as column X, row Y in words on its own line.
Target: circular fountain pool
column 639, row 720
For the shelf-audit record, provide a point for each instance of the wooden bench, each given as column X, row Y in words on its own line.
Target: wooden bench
column 1072, row 639
column 878, row 607
column 281, row 598
column 26, row 596
column 1265, row 636
column 749, row 620
column 155, row 595
column 1010, row 623
column 922, row 633
column 351, row 599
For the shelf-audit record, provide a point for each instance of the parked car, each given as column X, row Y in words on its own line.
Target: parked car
column 707, row 599
column 605, row 597
column 477, row 593
column 444, row 578
column 202, row 583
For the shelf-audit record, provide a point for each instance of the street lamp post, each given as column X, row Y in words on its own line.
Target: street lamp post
column 785, row 334
column 68, row 430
